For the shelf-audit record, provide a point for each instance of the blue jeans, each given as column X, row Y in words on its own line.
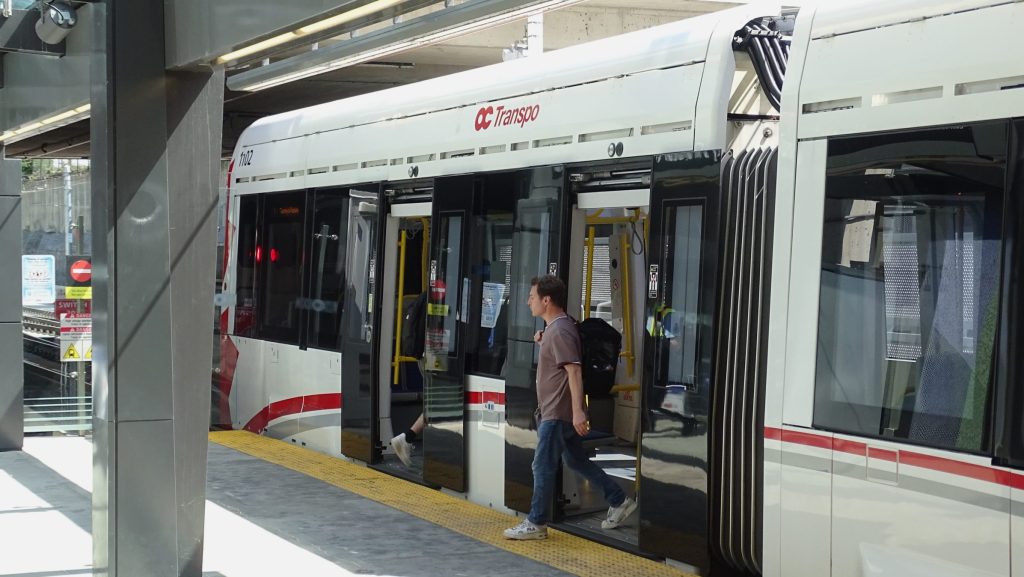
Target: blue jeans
column 559, row 438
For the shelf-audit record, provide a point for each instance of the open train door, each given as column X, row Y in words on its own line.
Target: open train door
column 680, row 319
column 360, row 323
column 448, row 283
column 540, row 245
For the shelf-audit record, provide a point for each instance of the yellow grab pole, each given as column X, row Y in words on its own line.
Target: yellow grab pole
column 590, row 272
column 627, row 309
column 398, row 312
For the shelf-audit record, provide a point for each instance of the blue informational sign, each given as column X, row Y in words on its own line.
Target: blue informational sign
column 37, row 279
column 493, row 299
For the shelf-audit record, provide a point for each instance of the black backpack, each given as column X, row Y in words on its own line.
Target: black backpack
column 413, row 326
column 600, row 344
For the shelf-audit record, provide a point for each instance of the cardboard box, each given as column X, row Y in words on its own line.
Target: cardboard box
column 627, row 422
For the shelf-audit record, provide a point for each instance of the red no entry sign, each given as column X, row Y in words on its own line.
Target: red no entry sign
column 81, row 270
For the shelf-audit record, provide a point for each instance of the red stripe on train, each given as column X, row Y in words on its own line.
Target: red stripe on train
column 293, row 406
column 481, row 397
column 909, row 458
column 958, row 468
column 850, row 447
column 807, row 439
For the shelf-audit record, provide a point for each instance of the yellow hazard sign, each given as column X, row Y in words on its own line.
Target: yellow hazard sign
column 437, row 310
column 71, row 354
column 78, row 292
column 88, row 354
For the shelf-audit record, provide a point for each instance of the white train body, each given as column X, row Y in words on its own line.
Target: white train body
column 832, row 503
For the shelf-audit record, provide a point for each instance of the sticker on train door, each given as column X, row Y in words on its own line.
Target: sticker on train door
column 553, row 269
column 652, row 282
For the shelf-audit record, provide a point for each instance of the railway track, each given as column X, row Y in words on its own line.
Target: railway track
column 39, row 322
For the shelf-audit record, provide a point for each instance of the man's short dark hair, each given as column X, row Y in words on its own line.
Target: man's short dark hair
column 550, row 286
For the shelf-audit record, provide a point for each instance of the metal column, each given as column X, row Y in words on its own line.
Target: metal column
column 155, row 147
column 12, row 428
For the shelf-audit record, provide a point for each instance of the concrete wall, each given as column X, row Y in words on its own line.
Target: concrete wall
column 37, row 86
column 199, row 30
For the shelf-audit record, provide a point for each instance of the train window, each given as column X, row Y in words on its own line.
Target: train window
column 327, row 270
column 280, row 257
column 492, row 264
column 909, row 285
column 245, row 278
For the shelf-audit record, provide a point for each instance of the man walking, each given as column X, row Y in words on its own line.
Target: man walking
column 563, row 419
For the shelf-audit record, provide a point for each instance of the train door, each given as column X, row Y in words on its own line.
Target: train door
column 448, row 286
column 401, row 373
column 539, row 247
column 677, row 383
column 360, row 324
column 464, row 275
column 607, row 272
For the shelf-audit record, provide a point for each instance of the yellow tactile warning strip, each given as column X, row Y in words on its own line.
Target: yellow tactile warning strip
column 560, row 550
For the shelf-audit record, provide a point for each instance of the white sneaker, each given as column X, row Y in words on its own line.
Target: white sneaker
column 403, row 449
column 527, row 530
column 616, row 515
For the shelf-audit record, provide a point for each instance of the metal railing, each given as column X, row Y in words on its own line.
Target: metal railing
column 58, row 414
column 59, row 404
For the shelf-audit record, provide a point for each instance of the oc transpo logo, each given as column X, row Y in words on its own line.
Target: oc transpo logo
column 489, row 116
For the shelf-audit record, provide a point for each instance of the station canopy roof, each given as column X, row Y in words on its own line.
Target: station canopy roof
column 575, row 23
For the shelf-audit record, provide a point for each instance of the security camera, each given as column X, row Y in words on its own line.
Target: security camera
column 55, row 22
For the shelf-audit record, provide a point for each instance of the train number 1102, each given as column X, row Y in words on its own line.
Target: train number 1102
column 245, row 159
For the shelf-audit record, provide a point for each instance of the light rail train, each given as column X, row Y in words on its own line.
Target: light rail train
column 804, row 224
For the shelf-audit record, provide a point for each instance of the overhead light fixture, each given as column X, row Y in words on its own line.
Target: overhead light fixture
column 28, row 128
column 320, row 26
column 59, row 117
column 423, row 31
column 346, row 17
column 56, row 19
column 46, row 124
column 258, row 47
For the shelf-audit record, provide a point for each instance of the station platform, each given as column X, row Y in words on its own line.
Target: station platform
column 277, row 509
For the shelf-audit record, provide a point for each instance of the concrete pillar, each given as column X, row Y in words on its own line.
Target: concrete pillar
column 12, row 371
column 155, row 166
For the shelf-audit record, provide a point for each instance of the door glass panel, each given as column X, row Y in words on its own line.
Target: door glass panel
column 282, row 266
column 533, row 238
column 360, row 264
column 491, row 274
column 328, row 270
column 678, row 319
column 443, row 306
